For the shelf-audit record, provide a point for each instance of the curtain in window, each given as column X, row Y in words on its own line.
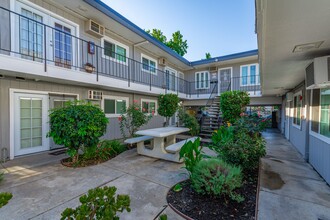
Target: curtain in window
column 325, row 112
column 315, row 110
column 244, row 75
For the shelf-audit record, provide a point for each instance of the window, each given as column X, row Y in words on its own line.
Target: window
column 250, row 75
column 149, row 106
column 202, row 80
column 31, row 35
column 321, row 112
column 114, row 106
column 148, row 64
column 297, row 108
column 114, row 50
column 63, row 46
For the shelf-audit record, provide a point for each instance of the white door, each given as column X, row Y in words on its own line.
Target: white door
column 225, row 79
column 170, row 79
column 63, row 44
column 30, row 123
column 58, row 101
column 287, row 120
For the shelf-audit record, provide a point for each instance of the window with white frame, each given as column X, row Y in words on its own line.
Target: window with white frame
column 250, row 75
column 148, row 64
column 202, row 80
column 114, row 105
column 297, row 108
column 320, row 112
column 149, row 106
column 114, row 50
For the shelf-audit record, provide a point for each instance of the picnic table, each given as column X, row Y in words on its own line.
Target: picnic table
column 163, row 142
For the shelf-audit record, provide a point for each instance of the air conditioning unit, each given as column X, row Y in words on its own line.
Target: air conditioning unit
column 95, row 95
column 213, row 69
column 289, row 96
column 318, row 73
column 94, row 28
column 162, row 61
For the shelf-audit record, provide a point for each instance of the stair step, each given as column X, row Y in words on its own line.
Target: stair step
column 205, row 135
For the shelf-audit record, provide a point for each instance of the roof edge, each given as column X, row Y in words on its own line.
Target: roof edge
column 101, row 6
column 226, row 57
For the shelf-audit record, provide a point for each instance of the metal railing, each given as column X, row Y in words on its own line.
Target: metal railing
column 26, row 37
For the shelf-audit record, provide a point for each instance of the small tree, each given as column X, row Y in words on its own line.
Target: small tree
column 232, row 104
column 132, row 119
column 77, row 124
column 167, row 105
column 208, row 55
column 189, row 121
column 99, row 203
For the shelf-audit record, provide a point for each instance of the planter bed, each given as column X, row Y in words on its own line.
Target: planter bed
column 188, row 203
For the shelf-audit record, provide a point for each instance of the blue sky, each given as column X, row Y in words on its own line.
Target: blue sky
column 220, row 27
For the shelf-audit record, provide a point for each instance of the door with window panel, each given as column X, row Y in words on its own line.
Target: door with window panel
column 30, row 123
column 224, row 79
column 31, row 35
column 62, row 46
column 58, row 101
column 171, row 79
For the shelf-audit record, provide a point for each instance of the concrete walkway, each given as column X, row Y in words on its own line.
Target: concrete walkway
column 42, row 188
column 289, row 187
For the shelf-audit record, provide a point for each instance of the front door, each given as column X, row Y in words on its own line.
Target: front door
column 170, row 79
column 57, row 101
column 224, row 79
column 30, row 123
column 287, row 120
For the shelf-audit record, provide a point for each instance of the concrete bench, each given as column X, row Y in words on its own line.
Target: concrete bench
column 175, row 148
column 138, row 139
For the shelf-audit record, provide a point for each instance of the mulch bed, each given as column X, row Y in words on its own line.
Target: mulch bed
column 82, row 163
column 201, row 207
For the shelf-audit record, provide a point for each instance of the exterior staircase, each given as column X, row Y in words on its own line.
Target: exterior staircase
column 210, row 122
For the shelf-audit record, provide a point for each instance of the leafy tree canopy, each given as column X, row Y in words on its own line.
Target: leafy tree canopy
column 208, row 55
column 176, row 43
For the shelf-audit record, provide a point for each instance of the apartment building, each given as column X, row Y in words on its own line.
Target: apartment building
column 54, row 51
column 294, row 48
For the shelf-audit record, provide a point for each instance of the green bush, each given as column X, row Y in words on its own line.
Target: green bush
column 167, row 105
column 189, row 121
column 252, row 124
column 104, row 150
column 99, row 203
column 4, row 198
column 132, row 119
column 214, row 177
column 77, row 124
column 191, row 152
column 238, row 147
column 232, row 104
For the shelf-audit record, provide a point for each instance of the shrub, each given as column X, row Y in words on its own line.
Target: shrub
column 132, row 119
column 109, row 148
column 4, row 198
column 252, row 124
column 237, row 147
column 167, row 105
column 77, row 124
column 232, row 104
column 189, row 121
column 217, row 178
column 99, row 203
column 191, row 152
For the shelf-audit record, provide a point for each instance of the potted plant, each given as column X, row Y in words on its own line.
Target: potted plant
column 89, row 68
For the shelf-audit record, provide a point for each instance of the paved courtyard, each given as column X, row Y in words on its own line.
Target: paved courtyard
column 42, row 188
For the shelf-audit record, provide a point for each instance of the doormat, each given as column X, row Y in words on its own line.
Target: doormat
column 55, row 153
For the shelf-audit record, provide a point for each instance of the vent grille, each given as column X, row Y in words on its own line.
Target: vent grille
column 310, row 75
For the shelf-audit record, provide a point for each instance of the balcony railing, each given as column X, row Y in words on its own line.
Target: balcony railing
column 25, row 36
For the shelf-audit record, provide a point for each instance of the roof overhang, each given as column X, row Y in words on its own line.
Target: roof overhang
column 281, row 26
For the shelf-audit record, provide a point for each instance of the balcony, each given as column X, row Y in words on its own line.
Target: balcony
column 56, row 53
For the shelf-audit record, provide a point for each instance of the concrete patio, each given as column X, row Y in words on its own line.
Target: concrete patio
column 42, row 188
column 289, row 187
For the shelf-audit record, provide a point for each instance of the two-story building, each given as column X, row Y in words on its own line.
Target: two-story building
column 54, row 51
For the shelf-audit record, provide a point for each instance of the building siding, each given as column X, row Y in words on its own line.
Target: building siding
column 113, row 130
column 319, row 156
